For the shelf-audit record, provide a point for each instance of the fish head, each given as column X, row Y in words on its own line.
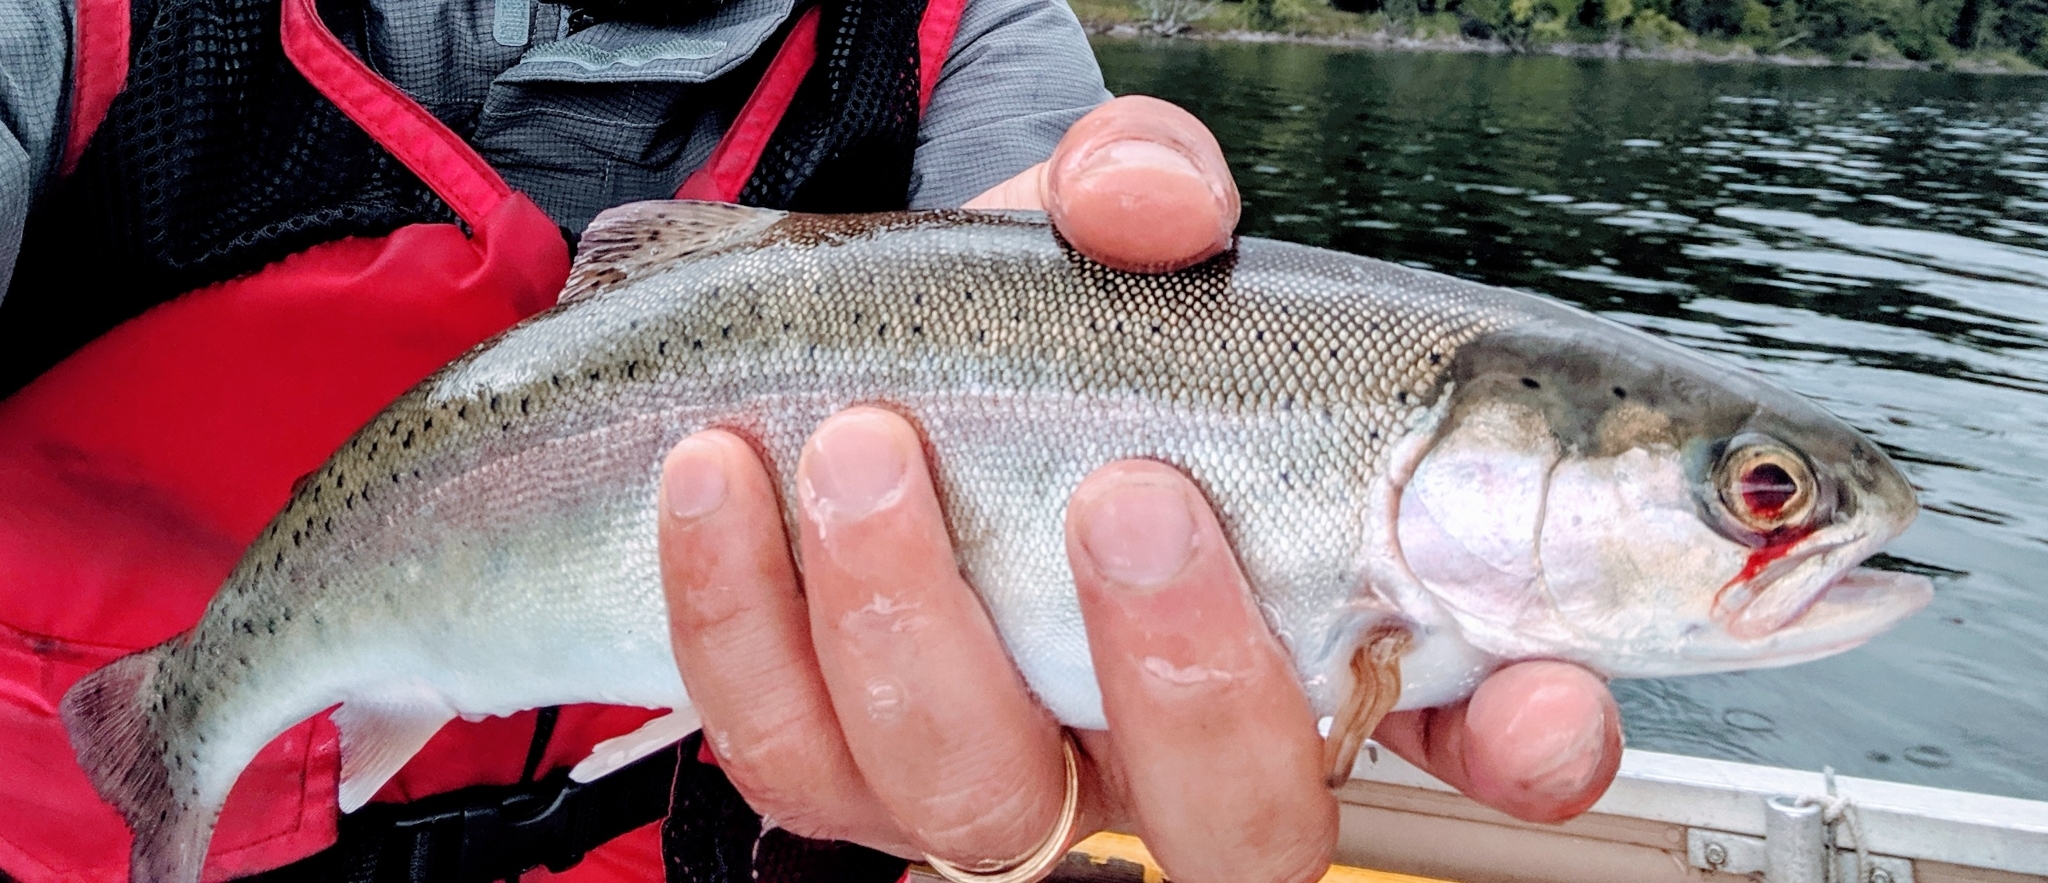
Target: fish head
column 1599, row 495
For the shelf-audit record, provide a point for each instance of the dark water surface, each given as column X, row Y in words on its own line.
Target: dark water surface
column 1877, row 240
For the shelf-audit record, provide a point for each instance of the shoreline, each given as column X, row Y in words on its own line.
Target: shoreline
column 1385, row 41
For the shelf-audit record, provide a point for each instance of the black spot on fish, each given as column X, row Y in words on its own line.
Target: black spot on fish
column 1620, row 393
column 427, row 425
column 1531, row 383
column 981, row 335
column 1259, row 337
column 1436, row 358
column 917, row 330
column 882, row 330
column 406, row 443
column 494, row 402
column 277, row 563
column 1373, row 434
column 725, row 332
column 525, row 405
column 661, row 349
column 1401, row 397
column 696, row 344
column 297, row 538
column 330, row 524
column 505, row 426
column 462, row 413
column 337, row 481
column 632, row 370
column 394, row 478
column 247, row 627
column 633, row 325
column 415, row 473
column 598, row 374
column 1155, row 328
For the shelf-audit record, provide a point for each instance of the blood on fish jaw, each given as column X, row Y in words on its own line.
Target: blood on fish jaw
column 1738, row 593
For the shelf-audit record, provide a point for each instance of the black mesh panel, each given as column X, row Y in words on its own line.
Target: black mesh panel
column 847, row 141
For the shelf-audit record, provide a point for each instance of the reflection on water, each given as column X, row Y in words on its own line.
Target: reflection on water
column 1877, row 240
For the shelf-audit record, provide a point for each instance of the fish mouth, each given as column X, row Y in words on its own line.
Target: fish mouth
column 1814, row 601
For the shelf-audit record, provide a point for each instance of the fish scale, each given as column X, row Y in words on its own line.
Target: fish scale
column 488, row 543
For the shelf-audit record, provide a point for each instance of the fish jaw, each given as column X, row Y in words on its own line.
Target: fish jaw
column 1841, row 613
column 1808, row 599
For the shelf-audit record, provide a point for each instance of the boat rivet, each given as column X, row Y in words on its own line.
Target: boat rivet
column 1717, row 855
column 1880, row 875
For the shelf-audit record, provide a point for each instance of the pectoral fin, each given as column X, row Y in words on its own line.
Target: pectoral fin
column 1376, row 688
column 652, row 736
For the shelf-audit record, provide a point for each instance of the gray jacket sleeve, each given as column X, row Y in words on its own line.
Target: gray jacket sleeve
column 1020, row 73
column 35, row 65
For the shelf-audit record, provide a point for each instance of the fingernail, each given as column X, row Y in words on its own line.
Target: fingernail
column 1139, row 531
column 856, row 465
column 1142, row 153
column 695, row 484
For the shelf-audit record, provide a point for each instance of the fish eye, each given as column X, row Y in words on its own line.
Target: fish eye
column 1765, row 485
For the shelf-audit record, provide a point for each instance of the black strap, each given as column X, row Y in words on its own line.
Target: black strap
column 497, row 832
column 712, row 836
column 489, row 833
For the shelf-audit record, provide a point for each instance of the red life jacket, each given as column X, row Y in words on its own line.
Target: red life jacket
column 133, row 473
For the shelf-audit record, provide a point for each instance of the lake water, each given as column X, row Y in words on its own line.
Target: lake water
column 1877, row 240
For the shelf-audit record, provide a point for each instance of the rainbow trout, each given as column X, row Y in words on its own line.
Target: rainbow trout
column 1424, row 478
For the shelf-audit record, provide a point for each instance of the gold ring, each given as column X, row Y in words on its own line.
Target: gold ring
column 1040, row 860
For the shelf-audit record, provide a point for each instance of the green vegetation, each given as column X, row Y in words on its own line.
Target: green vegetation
column 1980, row 34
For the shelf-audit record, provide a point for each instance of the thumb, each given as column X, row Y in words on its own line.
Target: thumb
column 1138, row 184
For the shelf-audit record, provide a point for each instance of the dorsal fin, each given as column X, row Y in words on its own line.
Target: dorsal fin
column 627, row 242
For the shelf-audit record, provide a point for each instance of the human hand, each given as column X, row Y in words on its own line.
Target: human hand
column 871, row 700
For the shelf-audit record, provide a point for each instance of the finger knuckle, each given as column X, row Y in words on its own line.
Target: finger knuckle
column 989, row 820
column 708, row 608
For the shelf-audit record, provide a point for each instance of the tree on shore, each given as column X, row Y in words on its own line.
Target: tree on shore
column 1861, row 30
